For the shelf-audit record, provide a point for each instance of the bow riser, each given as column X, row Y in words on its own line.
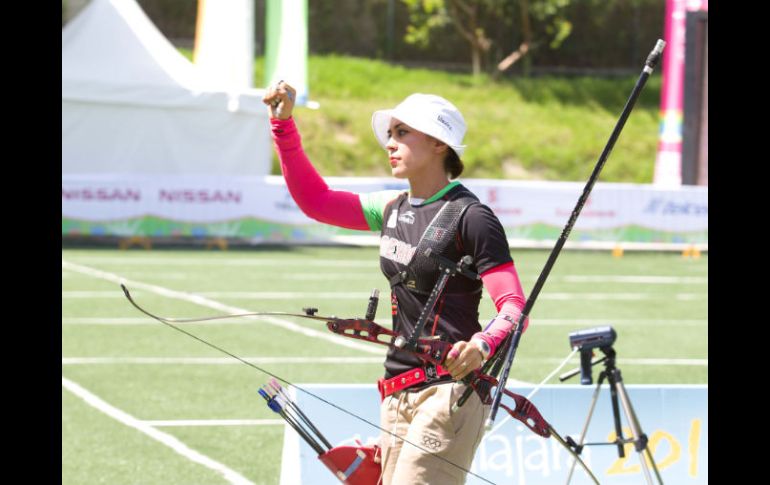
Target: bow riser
column 428, row 350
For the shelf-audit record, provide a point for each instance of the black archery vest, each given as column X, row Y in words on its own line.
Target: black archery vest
column 406, row 232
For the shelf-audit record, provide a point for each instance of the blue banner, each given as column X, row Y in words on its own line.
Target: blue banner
column 674, row 419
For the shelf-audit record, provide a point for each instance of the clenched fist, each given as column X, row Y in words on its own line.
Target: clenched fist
column 280, row 98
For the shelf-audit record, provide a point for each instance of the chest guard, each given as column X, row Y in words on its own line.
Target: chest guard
column 422, row 272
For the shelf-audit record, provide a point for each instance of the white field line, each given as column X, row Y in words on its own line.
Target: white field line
column 326, row 276
column 293, row 295
column 93, row 294
column 598, row 322
column 158, row 275
column 633, row 361
column 693, row 362
column 619, row 296
column 187, row 262
column 251, row 295
column 320, row 360
column 111, row 321
column 336, row 276
column 630, row 279
column 230, row 475
column 555, row 322
column 216, row 422
column 148, row 321
column 220, row 360
column 199, row 300
column 636, row 279
column 347, row 263
column 288, row 295
column 161, row 275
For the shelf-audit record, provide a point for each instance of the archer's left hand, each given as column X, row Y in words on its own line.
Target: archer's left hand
column 463, row 359
column 280, row 99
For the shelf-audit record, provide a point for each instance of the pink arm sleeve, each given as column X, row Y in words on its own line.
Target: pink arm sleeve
column 310, row 192
column 502, row 283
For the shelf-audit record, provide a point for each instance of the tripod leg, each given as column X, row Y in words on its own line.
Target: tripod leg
column 594, row 399
column 640, row 439
column 616, row 411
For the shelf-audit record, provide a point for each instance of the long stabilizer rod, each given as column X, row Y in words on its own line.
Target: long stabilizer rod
column 649, row 65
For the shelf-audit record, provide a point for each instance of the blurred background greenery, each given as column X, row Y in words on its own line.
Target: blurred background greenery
column 545, row 116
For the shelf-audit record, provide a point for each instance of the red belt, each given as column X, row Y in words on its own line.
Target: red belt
column 408, row 379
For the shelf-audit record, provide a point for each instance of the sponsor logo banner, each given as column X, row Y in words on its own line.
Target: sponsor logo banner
column 674, row 419
column 534, row 211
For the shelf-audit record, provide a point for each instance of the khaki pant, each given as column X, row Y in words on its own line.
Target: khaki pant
column 425, row 418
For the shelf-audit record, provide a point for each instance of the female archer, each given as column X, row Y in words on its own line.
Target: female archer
column 423, row 137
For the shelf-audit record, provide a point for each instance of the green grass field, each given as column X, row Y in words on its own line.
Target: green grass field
column 114, row 358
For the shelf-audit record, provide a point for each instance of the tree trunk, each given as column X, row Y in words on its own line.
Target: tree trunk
column 465, row 19
column 476, row 60
column 513, row 57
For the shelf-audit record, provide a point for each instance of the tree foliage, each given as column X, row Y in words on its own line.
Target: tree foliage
column 552, row 14
column 469, row 17
column 424, row 17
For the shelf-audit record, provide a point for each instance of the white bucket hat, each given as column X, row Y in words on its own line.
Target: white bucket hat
column 427, row 113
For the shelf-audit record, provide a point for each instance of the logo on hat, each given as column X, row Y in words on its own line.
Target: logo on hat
column 444, row 122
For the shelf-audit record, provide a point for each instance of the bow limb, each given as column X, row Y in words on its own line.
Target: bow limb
column 430, row 350
column 215, row 317
column 573, row 453
column 524, row 411
column 527, row 413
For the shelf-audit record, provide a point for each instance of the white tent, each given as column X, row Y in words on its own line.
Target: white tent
column 132, row 104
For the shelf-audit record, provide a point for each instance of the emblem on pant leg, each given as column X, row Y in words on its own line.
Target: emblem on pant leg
column 431, row 441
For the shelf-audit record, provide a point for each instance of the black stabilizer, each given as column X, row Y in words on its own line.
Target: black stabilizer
column 654, row 57
column 510, row 352
column 371, row 310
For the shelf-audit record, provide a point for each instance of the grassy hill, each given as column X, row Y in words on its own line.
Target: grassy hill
column 545, row 128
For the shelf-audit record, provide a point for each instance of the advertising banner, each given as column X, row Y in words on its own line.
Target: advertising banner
column 258, row 209
column 674, row 419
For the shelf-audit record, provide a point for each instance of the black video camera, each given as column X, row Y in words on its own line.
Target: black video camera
column 587, row 340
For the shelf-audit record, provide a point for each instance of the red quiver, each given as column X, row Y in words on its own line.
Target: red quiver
column 354, row 465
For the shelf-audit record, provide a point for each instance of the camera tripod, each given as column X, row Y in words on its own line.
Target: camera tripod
column 617, row 389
